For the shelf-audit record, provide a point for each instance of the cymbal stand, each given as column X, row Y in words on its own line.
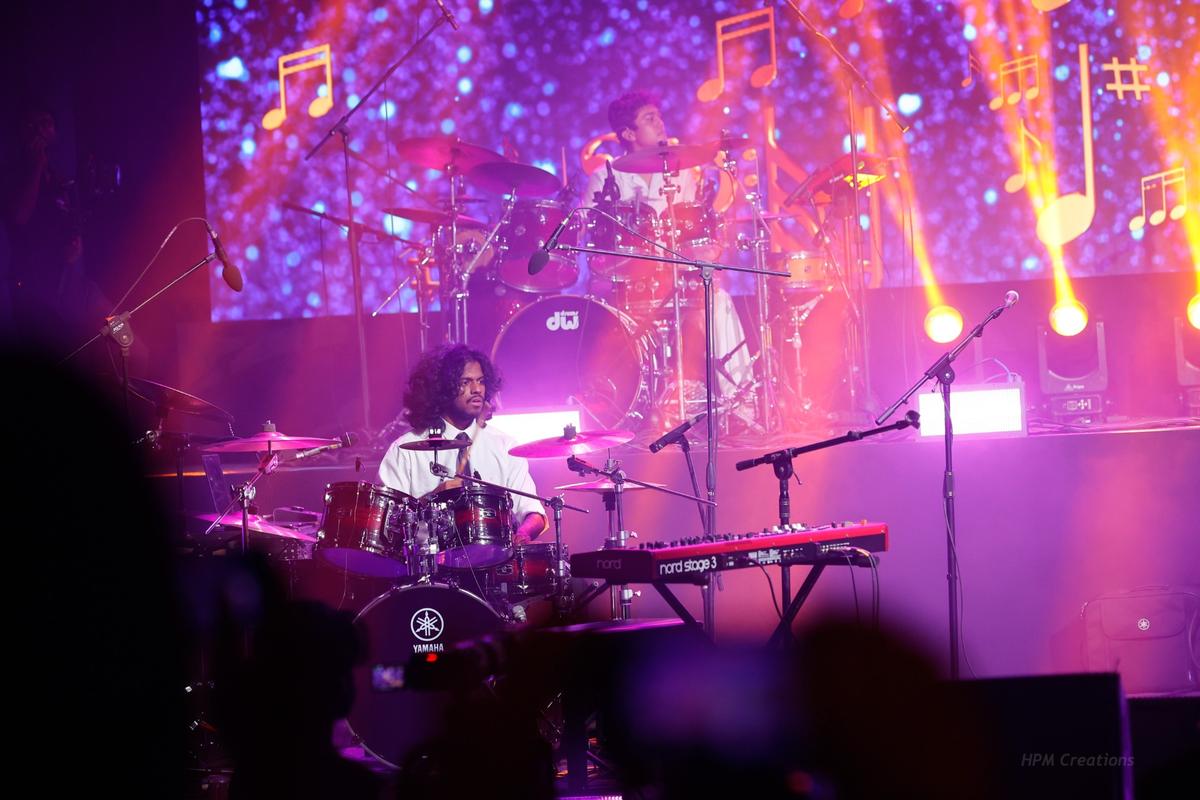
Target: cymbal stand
column 506, row 214
column 669, row 190
column 243, row 496
column 622, row 596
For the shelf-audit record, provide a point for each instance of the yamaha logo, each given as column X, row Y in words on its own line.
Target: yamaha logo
column 427, row 624
column 563, row 321
column 1143, row 624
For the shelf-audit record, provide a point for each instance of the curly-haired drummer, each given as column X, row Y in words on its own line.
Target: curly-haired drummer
column 450, row 389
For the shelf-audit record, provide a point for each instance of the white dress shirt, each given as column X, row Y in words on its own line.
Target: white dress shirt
column 408, row 470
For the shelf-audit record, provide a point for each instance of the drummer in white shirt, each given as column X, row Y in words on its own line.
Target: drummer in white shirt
column 449, row 389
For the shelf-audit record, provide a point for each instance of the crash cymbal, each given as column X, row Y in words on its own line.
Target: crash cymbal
column 768, row 217
column 604, row 485
column 446, row 153
column 268, row 441
column 572, row 443
column 675, row 156
column 260, row 524
column 433, row 216
column 508, row 177
column 436, row 443
column 165, row 397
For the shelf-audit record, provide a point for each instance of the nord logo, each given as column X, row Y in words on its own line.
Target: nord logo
column 608, row 563
column 563, row 321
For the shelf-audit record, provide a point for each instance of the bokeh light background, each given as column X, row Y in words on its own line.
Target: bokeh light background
column 536, row 76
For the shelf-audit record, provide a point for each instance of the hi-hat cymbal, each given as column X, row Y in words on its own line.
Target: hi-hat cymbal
column 671, row 157
column 268, row 441
column 604, row 485
column 446, row 153
column 508, row 177
column 260, row 524
column 572, row 443
column 436, row 443
column 163, row 396
column 433, row 216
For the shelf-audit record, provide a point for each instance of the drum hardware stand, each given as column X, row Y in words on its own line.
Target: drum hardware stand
column 454, row 280
column 943, row 371
column 797, row 316
column 769, row 411
column 555, row 503
column 612, row 470
column 854, row 78
column 243, row 495
column 669, row 190
column 418, row 279
column 781, row 462
column 508, row 207
column 341, row 129
column 706, row 269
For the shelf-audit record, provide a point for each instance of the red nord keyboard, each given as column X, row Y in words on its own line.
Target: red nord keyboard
column 689, row 560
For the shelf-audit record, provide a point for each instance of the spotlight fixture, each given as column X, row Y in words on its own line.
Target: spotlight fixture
column 1073, row 375
column 943, row 324
column 1068, row 318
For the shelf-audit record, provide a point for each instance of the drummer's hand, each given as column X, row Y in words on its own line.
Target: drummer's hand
column 531, row 527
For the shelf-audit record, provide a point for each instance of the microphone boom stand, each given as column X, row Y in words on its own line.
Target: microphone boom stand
column 943, row 373
column 340, row 128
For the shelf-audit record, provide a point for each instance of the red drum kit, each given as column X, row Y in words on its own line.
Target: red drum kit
column 455, row 569
column 623, row 344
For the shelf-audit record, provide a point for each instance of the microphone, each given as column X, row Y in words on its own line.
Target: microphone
column 345, row 440
column 674, row 435
column 449, row 16
column 541, row 256
column 231, row 274
column 1011, row 298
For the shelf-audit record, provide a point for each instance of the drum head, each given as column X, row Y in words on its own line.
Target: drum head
column 392, row 721
column 571, row 351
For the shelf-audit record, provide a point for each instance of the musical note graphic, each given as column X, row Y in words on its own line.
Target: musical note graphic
column 1049, row 5
column 291, row 63
column 1016, row 183
column 973, row 66
column 850, row 9
column 1019, row 67
column 1119, row 85
column 1066, row 217
column 754, row 22
column 1162, row 180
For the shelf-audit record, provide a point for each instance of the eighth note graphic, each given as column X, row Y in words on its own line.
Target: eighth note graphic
column 1016, row 183
column 973, row 66
column 755, row 22
column 1121, row 87
column 1049, row 5
column 1161, row 180
column 301, row 60
column 1020, row 67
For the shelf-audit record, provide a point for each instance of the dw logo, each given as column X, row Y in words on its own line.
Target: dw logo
column 563, row 321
